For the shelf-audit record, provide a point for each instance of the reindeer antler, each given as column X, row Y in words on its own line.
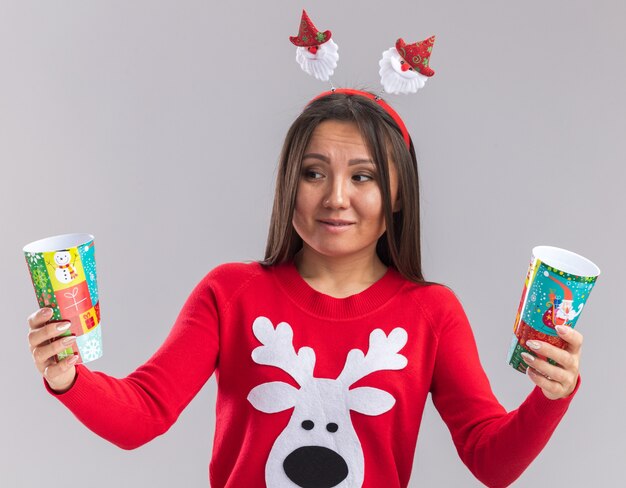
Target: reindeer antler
column 277, row 350
column 381, row 355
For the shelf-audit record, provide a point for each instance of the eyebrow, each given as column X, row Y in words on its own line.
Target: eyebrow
column 323, row 158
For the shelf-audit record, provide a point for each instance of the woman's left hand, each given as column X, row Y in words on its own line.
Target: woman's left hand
column 556, row 381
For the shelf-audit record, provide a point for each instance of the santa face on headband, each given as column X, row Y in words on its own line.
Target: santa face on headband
column 316, row 52
column 319, row 61
column 405, row 67
column 397, row 76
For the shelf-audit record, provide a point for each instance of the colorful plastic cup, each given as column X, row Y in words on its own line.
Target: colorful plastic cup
column 557, row 286
column 63, row 272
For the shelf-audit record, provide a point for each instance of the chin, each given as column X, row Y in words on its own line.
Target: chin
column 338, row 251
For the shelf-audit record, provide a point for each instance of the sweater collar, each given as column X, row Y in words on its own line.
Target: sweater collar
column 320, row 304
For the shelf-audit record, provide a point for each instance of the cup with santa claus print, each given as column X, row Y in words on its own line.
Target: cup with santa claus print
column 556, row 289
column 63, row 273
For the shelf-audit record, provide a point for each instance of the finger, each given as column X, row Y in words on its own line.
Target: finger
column 551, row 389
column 564, row 358
column 42, row 354
column 55, row 370
column 39, row 318
column 37, row 337
column 551, row 372
column 573, row 338
column 48, row 362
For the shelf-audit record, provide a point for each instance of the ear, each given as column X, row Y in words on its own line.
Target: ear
column 370, row 401
column 273, row 397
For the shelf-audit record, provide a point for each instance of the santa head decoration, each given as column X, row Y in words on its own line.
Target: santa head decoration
column 316, row 52
column 405, row 67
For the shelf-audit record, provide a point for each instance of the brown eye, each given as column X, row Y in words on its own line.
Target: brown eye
column 311, row 174
column 361, row 178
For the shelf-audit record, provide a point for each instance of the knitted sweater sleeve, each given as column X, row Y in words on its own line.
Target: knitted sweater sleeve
column 495, row 445
column 129, row 412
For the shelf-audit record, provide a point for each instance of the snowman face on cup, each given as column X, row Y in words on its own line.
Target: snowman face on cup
column 62, row 258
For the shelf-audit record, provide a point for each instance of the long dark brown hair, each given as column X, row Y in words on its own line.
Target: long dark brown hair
column 399, row 246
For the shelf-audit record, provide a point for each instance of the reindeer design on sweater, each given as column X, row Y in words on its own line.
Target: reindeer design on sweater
column 319, row 447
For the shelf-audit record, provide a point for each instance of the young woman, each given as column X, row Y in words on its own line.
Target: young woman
column 325, row 351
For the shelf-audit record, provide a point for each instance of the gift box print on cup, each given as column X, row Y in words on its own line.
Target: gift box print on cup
column 556, row 289
column 63, row 272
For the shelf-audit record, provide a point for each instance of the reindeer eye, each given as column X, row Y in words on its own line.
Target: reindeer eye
column 332, row 427
column 308, row 425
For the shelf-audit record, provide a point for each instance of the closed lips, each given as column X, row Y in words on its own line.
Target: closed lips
column 336, row 222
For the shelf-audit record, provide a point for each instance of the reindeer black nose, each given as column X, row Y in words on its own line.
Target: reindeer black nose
column 315, row 467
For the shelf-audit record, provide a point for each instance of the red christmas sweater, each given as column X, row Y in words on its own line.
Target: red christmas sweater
column 315, row 390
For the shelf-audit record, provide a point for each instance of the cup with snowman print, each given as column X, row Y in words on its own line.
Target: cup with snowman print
column 63, row 272
column 557, row 286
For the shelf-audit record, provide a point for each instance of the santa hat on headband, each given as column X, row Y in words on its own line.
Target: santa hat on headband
column 317, row 53
column 309, row 36
column 417, row 55
column 404, row 68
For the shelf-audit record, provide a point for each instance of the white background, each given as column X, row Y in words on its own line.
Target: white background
column 156, row 126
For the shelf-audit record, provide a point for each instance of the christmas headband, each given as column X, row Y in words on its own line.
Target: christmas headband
column 404, row 68
column 377, row 99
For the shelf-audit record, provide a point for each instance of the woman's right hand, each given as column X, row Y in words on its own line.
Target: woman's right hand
column 45, row 344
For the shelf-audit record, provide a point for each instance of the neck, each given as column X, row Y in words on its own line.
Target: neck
column 341, row 276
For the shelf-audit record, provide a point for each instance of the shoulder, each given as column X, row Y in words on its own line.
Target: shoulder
column 230, row 276
column 437, row 302
column 433, row 295
column 235, row 270
column 220, row 286
column 226, row 281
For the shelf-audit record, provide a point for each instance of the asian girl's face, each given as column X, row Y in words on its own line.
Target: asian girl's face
column 339, row 211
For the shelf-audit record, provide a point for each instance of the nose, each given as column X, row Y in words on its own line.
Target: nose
column 336, row 196
column 315, row 467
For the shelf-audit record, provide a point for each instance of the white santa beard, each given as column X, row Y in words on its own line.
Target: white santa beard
column 322, row 64
column 393, row 79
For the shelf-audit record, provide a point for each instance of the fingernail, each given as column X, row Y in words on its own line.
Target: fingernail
column 529, row 358
column 63, row 326
column 562, row 329
column 533, row 344
column 72, row 360
column 68, row 340
column 44, row 311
